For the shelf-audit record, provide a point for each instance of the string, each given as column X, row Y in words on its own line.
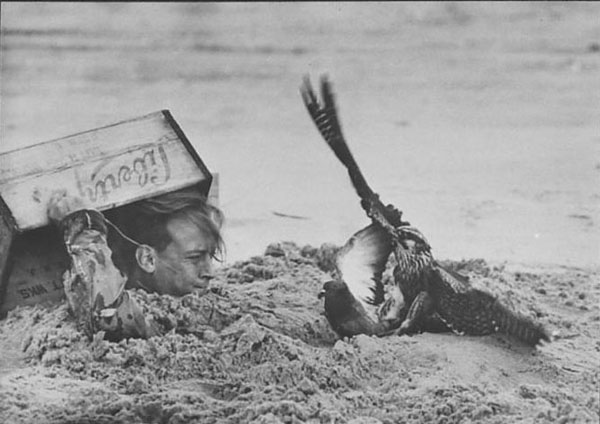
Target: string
column 118, row 230
column 129, row 239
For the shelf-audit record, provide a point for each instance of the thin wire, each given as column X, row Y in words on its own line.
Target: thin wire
column 118, row 230
column 129, row 239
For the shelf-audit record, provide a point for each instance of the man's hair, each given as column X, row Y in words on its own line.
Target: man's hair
column 145, row 222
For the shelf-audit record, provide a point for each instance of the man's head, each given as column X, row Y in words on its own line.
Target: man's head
column 178, row 235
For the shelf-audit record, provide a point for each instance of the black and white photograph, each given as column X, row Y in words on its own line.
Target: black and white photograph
column 299, row 212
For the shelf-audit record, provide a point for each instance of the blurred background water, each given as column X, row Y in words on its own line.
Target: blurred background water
column 478, row 120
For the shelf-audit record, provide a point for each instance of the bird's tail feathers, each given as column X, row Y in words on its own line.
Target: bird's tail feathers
column 519, row 326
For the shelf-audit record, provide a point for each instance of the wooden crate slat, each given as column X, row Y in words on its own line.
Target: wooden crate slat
column 107, row 167
column 68, row 151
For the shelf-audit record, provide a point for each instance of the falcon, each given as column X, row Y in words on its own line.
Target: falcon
column 425, row 296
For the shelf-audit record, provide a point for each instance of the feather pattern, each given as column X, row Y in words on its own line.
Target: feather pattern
column 429, row 290
column 324, row 115
column 360, row 264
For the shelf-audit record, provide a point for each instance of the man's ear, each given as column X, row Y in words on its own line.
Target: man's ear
column 146, row 258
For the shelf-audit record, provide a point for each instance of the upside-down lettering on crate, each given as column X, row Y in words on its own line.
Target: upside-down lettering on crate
column 107, row 167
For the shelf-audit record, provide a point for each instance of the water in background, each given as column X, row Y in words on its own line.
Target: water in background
column 479, row 120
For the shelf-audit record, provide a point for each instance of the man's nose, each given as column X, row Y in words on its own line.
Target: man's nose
column 205, row 267
column 206, row 276
column 203, row 280
column 206, row 270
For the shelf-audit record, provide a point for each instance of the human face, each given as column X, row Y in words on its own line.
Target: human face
column 185, row 265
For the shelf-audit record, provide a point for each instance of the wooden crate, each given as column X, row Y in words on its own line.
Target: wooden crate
column 107, row 167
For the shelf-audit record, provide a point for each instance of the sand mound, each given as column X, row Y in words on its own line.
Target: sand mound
column 258, row 349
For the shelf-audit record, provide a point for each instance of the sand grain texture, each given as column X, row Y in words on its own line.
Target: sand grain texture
column 258, row 349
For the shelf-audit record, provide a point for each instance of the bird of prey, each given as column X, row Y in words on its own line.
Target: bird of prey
column 426, row 296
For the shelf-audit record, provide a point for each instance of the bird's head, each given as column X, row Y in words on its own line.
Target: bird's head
column 331, row 288
column 345, row 314
column 412, row 239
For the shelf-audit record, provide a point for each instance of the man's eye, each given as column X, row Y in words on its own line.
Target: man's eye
column 196, row 257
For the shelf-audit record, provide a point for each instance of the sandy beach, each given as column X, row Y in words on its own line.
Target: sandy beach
column 478, row 120
column 257, row 349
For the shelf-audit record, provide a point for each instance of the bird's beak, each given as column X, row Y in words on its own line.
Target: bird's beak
column 321, row 294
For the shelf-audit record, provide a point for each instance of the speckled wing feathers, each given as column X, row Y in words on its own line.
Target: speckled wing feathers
column 455, row 282
column 467, row 310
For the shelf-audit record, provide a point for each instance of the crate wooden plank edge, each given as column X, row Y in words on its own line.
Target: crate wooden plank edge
column 102, row 167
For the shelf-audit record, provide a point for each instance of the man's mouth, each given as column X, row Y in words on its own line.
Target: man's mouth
column 203, row 281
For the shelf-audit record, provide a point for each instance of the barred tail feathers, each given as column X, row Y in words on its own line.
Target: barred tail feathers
column 516, row 325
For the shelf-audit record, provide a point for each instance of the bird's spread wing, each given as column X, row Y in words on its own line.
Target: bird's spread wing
column 454, row 281
column 466, row 309
column 361, row 262
column 324, row 115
